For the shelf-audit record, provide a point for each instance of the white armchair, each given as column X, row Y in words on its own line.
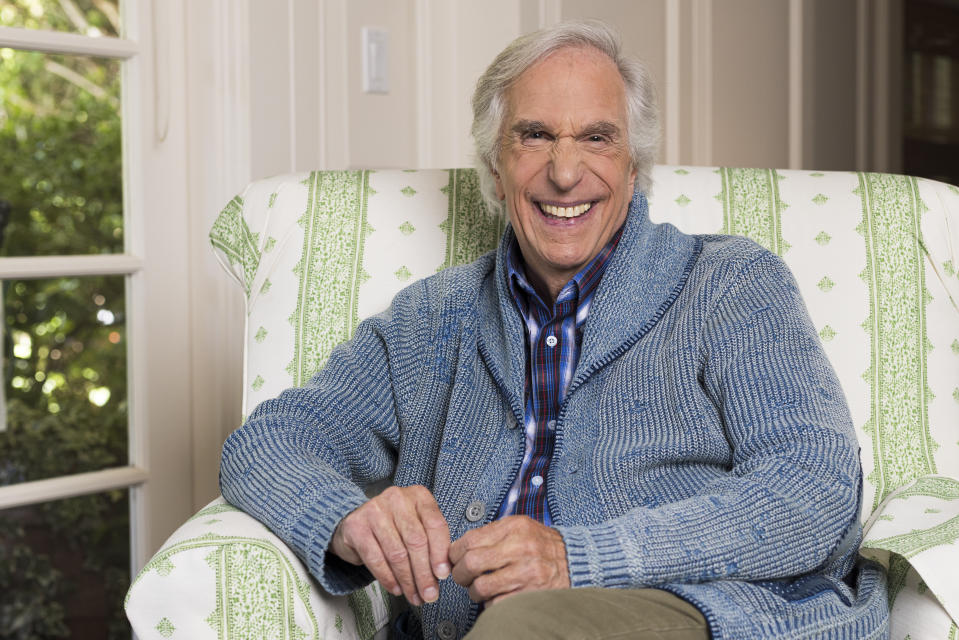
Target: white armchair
column 875, row 256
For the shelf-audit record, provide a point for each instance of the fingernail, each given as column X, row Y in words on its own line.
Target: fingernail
column 442, row 571
column 396, row 591
column 430, row 594
column 416, row 601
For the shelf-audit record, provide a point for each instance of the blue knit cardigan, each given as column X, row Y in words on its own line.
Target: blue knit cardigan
column 704, row 446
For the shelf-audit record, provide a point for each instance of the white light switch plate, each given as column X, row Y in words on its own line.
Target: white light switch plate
column 376, row 60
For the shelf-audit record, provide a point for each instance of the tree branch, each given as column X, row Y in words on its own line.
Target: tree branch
column 75, row 16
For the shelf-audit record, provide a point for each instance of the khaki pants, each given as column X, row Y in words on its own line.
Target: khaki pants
column 592, row 614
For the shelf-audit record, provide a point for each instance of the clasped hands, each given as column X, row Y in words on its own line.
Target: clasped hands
column 403, row 539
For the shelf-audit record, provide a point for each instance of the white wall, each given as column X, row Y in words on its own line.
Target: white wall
column 741, row 82
column 274, row 86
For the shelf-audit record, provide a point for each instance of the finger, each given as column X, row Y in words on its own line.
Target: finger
column 476, row 562
column 488, row 535
column 417, row 547
column 438, row 533
column 372, row 557
column 506, row 580
column 397, row 556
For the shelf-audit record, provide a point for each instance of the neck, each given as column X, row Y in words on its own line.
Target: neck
column 547, row 288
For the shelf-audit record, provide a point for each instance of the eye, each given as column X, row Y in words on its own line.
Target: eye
column 535, row 138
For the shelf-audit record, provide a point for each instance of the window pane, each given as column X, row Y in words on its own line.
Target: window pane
column 87, row 17
column 64, row 568
column 61, row 189
column 64, row 372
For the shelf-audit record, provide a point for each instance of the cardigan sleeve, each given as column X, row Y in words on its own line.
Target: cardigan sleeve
column 300, row 462
column 790, row 502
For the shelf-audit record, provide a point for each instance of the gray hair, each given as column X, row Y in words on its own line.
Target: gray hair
column 489, row 97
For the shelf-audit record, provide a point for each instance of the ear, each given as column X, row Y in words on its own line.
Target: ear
column 500, row 192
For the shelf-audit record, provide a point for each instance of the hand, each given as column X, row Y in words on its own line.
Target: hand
column 402, row 538
column 507, row 556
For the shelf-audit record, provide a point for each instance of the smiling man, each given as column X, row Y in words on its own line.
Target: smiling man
column 604, row 429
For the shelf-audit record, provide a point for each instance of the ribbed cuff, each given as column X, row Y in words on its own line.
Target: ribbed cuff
column 597, row 557
column 312, row 533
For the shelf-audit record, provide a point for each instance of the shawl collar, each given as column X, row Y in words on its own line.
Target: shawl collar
column 644, row 277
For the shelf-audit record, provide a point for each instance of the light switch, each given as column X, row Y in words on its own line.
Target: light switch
column 376, row 60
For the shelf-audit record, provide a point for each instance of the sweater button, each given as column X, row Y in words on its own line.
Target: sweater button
column 445, row 630
column 476, row 511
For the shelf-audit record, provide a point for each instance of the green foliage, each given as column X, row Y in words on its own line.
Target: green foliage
column 64, row 366
column 30, row 608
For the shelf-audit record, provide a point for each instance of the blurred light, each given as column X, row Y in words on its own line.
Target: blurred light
column 53, row 407
column 39, row 376
column 114, row 337
column 22, row 345
column 18, row 382
column 99, row 300
column 99, row 396
column 55, row 354
column 106, row 316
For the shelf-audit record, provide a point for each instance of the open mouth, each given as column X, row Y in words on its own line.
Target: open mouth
column 561, row 213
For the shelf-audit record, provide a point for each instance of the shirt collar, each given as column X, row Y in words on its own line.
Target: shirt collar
column 580, row 287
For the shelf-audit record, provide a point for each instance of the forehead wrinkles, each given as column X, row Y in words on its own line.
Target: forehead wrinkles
column 585, row 79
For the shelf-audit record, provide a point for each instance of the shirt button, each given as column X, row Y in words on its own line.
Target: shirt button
column 551, row 424
column 475, row 511
column 536, row 480
column 551, row 341
column 445, row 630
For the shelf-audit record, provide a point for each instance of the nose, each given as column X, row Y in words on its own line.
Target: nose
column 565, row 164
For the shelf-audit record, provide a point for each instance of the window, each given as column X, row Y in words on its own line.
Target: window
column 74, row 490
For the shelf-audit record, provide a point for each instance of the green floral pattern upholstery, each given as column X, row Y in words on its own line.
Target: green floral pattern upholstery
column 875, row 256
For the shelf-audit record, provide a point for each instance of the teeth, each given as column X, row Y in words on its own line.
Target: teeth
column 566, row 212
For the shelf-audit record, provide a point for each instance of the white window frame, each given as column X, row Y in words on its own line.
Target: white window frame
column 155, row 199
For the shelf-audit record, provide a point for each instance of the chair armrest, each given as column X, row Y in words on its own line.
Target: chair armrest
column 918, row 525
column 223, row 574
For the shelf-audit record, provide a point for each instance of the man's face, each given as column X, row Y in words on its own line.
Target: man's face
column 564, row 167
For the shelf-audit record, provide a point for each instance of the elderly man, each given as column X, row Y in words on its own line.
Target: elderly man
column 602, row 403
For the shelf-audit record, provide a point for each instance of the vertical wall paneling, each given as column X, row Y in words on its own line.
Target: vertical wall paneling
column 829, row 85
column 382, row 127
column 886, row 57
column 333, row 110
column 454, row 43
column 880, row 57
column 877, row 91
column 863, row 84
column 550, row 12
column 795, row 82
column 701, row 75
column 306, row 77
column 750, row 56
column 424, row 81
column 218, row 157
column 672, row 100
column 270, row 82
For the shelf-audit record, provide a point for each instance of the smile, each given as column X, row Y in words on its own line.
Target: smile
column 565, row 212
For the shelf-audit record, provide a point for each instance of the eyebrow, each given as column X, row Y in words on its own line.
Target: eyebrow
column 601, row 127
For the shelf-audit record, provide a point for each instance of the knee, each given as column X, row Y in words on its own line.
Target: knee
column 524, row 615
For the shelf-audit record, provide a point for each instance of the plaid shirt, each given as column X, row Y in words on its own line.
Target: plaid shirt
column 553, row 339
